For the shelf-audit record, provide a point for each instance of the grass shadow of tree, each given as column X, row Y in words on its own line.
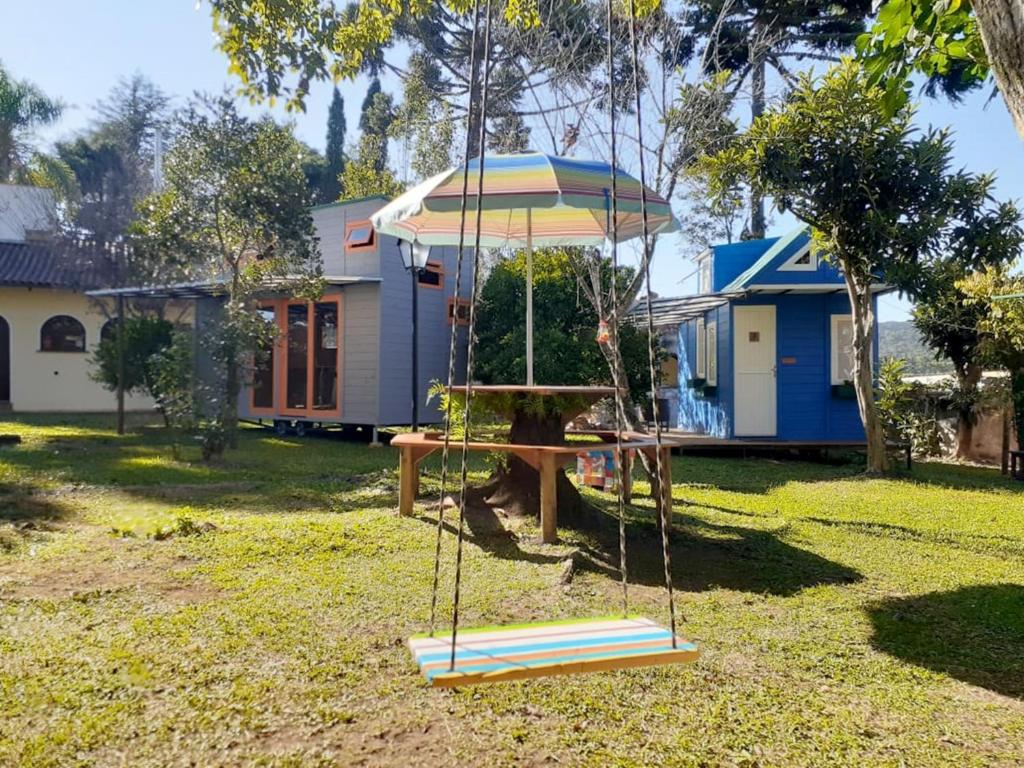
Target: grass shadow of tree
column 709, row 556
column 974, row 634
column 704, row 555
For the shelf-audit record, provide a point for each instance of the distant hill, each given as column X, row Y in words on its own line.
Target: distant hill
column 901, row 339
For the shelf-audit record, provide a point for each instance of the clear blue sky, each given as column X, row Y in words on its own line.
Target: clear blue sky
column 77, row 50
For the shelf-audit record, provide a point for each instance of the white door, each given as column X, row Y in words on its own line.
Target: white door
column 754, row 364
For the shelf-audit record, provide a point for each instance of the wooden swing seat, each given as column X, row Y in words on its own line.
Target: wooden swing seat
column 499, row 654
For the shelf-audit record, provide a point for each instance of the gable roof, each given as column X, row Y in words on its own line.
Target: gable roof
column 50, row 265
column 778, row 247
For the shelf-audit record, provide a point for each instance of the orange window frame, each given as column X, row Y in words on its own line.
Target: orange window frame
column 434, row 267
column 457, row 319
column 368, row 246
column 255, row 410
column 281, row 360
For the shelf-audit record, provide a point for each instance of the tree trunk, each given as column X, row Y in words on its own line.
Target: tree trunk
column 1001, row 23
column 757, row 104
column 1017, row 403
column 967, row 381
column 627, row 411
column 516, row 486
column 863, row 377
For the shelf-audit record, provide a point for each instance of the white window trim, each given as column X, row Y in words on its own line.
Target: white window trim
column 701, row 350
column 791, row 265
column 705, row 280
column 711, row 349
column 834, row 344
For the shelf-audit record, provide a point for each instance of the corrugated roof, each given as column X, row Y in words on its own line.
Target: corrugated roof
column 51, row 265
column 676, row 309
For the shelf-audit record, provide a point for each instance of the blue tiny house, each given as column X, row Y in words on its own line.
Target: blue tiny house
column 763, row 350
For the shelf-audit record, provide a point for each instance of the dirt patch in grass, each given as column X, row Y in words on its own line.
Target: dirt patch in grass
column 120, row 569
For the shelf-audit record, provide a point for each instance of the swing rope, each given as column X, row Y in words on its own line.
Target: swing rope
column 453, row 337
column 614, row 320
column 664, row 494
column 472, row 328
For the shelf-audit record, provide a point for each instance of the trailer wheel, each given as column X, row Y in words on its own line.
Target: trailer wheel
column 281, row 427
column 300, row 428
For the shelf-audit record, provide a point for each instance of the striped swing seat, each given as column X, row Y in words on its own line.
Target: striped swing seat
column 498, row 654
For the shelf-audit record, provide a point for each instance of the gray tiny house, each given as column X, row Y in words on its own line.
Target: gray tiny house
column 346, row 359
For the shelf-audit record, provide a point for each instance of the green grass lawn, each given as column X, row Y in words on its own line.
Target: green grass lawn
column 156, row 611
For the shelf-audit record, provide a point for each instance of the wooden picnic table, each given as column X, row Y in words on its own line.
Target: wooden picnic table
column 545, row 459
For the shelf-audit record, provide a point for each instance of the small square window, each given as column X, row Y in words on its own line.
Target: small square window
column 460, row 316
column 359, row 235
column 754, row 336
column 431, row 276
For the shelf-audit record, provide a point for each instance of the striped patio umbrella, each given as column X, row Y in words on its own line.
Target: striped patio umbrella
column 528, row 200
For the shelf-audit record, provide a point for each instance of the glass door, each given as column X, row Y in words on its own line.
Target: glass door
column 263, row 369
column 296, row 382
column 325, row 356
column 309, row 373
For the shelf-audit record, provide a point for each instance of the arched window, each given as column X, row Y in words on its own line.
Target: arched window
column 62, row 333
column 109, row 330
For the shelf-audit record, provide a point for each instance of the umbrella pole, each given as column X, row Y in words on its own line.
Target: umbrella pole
column 529, row 297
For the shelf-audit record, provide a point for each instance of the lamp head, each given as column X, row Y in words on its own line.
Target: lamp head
column 414, row 254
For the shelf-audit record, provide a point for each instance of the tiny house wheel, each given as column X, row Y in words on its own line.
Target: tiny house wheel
column 300, row 428
column 281, row 427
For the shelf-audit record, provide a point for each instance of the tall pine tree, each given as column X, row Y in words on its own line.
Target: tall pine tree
column 376, row 116
column 749, row 37
column 330, row 187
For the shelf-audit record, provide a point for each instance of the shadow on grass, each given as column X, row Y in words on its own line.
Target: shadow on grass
column 709, row 556
column 980, row 543
column 22, row 505
column 763, row 475
column 974, row 634
column 704, row 556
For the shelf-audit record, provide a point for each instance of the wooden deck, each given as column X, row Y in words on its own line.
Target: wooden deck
column 687, row 441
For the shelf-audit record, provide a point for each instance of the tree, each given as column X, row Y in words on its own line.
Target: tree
column 335, row 150
column 145, row 338
column 1001, row 295
column 23, row 109
column 234, row 209
column 952, row 326
column 362, row 178
column 375, row 119
column 424, row 120
column 567, row 350
column 749, row 37
column 880, row 201
column 956, row 45
column 113, row 161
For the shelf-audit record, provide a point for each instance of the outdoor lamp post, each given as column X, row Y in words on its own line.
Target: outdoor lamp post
column 414, row 257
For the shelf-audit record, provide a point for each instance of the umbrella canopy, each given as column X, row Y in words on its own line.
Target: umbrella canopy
column 529, row 199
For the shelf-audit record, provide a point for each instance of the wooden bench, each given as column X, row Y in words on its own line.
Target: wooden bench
column 546, row 459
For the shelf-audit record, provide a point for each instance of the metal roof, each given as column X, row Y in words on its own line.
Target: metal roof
column 57, row 264
column 209, row 288
column 672, row 311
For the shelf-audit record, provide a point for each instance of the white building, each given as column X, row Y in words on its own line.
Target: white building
column 48, row 326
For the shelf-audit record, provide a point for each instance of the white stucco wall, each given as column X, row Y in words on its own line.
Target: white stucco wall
column 54, row 381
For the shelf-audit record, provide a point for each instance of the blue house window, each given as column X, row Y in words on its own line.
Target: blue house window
column 702, row 359
column 711, row 378
column 842, row 349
